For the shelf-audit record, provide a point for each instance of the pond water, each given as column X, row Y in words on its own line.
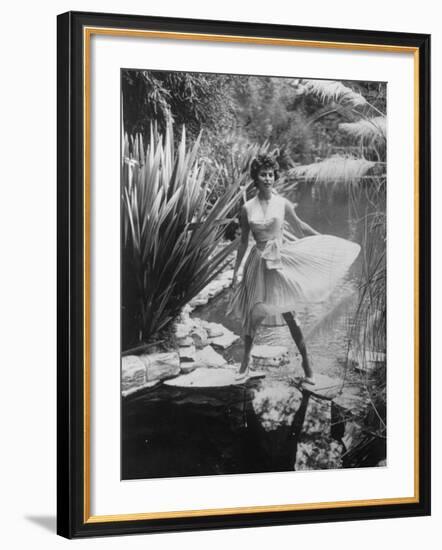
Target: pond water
column 263, row 425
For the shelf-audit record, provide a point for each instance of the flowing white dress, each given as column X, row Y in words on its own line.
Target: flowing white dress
column 279, row 274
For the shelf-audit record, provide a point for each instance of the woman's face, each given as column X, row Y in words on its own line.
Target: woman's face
column 265, row 180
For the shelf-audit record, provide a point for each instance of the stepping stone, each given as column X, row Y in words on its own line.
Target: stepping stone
column 200, row 300
column 206, row 377
column 131, row 391
column 182, row 330
column 351, row 400
column 324, row 388
column 270, row 356
column 161, row 365
column 214, row 330
column 214, row 288
column 184, row 342
column 208, row 357
column 199, row 336
column 224, row 341
column 133, row 372
column 187, row 353
column 186, row 368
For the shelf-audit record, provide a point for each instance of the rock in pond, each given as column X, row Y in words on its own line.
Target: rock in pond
column 208, row 377
column 199, row 336
column 208, row 357
column 187, row 367
column 183, row 329
column 214, row 330
column 270, row 356
column 133, row 372
column 226, row 340
column 187, row 353
column 160, row 366
column 184, row 342
column 200, row 300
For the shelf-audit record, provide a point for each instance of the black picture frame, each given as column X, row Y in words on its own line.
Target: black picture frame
column 74, row 519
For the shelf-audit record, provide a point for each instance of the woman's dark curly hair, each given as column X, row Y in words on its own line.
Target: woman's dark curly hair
column 263, row 161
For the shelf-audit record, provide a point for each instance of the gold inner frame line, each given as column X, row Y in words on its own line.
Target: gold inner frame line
column 87, row 33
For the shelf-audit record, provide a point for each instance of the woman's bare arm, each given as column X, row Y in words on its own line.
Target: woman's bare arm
column 245, row 229
column 296, row 222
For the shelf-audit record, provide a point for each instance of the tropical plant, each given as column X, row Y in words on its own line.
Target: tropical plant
column 358, row 173
column 171, row 239
column 333, row 90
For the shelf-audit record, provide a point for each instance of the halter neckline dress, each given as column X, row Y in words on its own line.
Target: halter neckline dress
column 279, row 274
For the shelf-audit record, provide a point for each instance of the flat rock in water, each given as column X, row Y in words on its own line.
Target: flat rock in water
column 183, row 329
column 214, row 330
column 184, row 342
column 208, row 357
column 200, row 300
column 215, row 288
column 185, row 368
column 227, row 275
column 187, row 353
column 199, row 337
column 226, row 340
column 130, row 391
column 206, row 377
column 133, row 372
column 270, row 356
column 324, row 387
column 351, row 399
column 161, row 365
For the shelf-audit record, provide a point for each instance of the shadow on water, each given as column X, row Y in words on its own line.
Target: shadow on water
column 181, row 432
column 173, row 432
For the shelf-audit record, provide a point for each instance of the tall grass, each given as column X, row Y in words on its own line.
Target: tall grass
column 171, row 237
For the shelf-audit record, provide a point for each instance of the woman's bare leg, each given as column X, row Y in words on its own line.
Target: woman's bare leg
column 298, row 338
column 257, row 316
column 248, row 343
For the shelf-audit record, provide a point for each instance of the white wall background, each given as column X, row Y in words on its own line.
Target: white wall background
column 28, row 282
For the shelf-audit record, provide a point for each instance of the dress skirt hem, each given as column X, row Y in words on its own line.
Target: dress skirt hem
column 307, row 271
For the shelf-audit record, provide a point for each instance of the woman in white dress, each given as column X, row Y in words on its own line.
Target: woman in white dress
column 278, row 274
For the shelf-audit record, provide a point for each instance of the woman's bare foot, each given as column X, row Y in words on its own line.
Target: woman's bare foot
column 242, row 375
column 308, row 380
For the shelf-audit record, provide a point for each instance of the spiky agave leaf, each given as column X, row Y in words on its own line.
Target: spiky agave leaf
column 333, row 90
column 171, row 241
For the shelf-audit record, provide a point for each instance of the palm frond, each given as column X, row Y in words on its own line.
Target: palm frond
column 337, row 168
column 366, row 129
column 333, row 90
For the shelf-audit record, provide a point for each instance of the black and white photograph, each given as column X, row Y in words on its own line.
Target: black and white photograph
column 253, row 274
column 220, row 232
